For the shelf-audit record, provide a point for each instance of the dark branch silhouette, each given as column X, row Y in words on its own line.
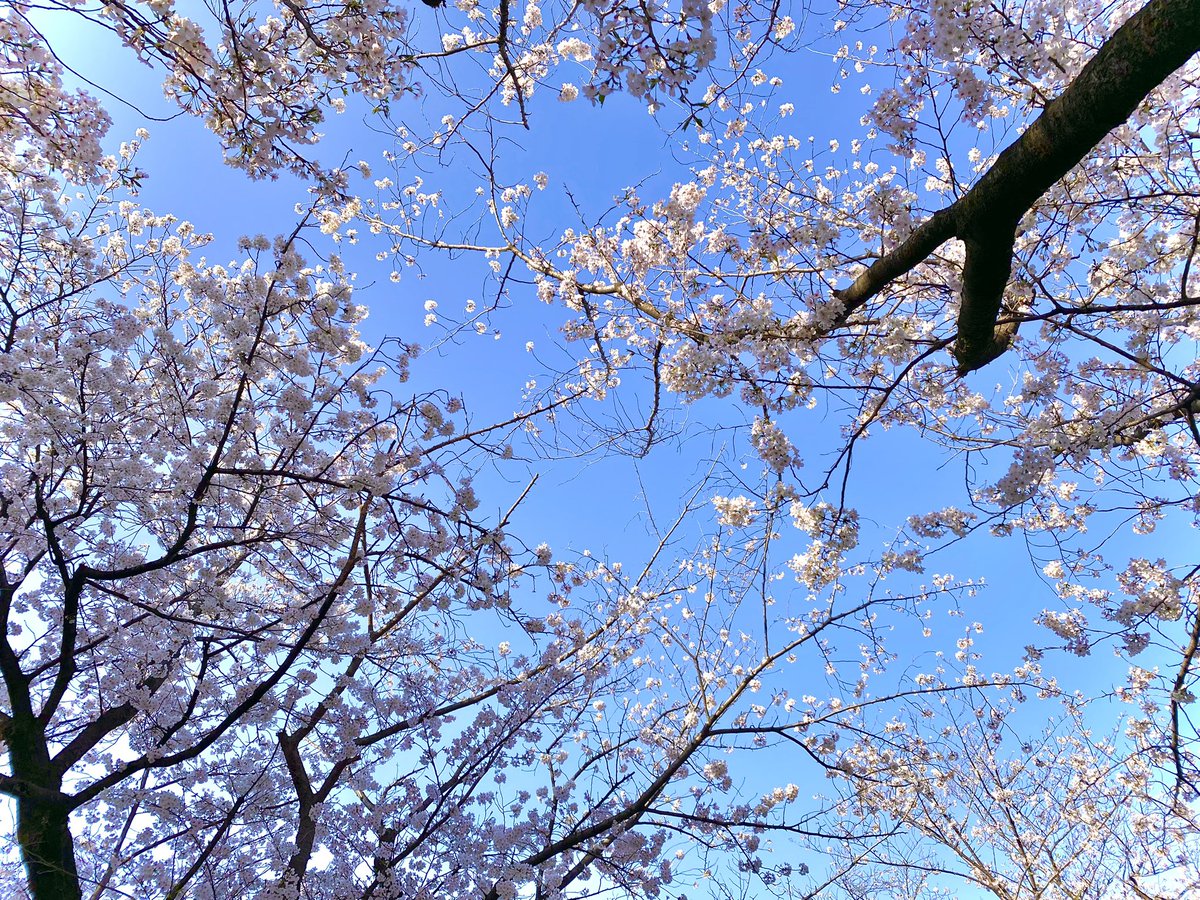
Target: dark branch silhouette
column 1140, row 55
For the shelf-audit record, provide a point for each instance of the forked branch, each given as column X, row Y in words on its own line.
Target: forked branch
column 1140, row 55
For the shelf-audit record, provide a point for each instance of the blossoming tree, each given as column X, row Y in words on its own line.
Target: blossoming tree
column 1021, row 196
column 249, row 604
column 261, row 640
column 248, row 599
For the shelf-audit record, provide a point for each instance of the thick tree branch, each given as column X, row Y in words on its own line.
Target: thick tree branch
column 100, row 728
column 1140, row 55
column 913, row 251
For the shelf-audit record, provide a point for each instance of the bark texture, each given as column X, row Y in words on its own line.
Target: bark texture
column 43, row 813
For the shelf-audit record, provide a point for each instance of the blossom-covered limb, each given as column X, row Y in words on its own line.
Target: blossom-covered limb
column 1135, row 60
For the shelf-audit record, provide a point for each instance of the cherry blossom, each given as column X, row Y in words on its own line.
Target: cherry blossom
column 268, row 629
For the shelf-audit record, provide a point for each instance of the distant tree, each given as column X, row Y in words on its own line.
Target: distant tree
column 985, row 806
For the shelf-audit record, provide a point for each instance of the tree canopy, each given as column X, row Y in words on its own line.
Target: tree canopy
column 276, row 623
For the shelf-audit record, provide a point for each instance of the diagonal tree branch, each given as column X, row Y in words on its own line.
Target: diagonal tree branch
column 1139, row 56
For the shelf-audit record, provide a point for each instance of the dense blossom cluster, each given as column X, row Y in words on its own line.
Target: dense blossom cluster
column 38, row 117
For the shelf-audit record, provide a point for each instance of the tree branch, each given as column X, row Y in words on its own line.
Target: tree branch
column 1139, row 56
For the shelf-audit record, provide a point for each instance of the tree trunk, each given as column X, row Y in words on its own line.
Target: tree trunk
column 48, row 850
column 43, row 814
